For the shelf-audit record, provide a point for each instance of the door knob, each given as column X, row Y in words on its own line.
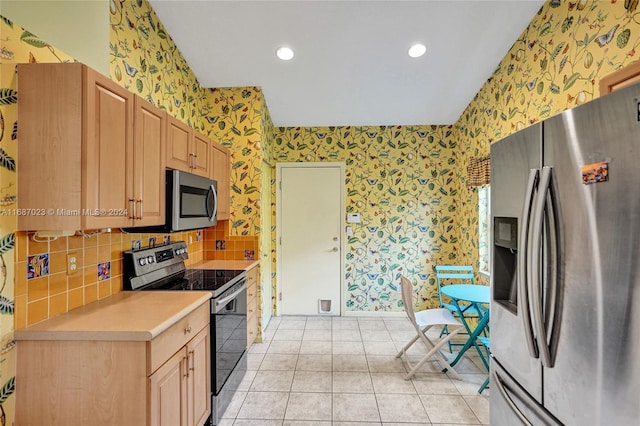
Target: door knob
column 335, row 249
column 335, row 238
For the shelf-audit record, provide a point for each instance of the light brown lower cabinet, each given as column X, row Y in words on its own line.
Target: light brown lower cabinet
column 252, row 304
column 163, row 381
column 175, row 386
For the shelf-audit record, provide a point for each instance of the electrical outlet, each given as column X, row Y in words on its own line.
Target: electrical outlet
column 72, row 263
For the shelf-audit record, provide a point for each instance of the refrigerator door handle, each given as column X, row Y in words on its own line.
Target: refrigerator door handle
column 503, row 391
column 534, row 267
column 553, row 295
column 503, row 381
column 523, row 254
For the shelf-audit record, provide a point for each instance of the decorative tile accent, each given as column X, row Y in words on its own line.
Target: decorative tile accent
column 104, row 271
column 249, row 254
column 166, row 239
column 38, row 266
column 136, row 244
column 152, row 241
column 221, row 245
column 199, row 235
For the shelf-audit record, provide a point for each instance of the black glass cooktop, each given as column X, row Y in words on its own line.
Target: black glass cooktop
column 163, row 268
column 198, row 279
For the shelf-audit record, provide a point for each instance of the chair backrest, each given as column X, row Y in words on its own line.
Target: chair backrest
column 453, row 274
column 407, row 298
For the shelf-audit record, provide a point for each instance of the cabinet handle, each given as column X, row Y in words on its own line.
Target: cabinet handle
column 195, row 161
column 193, row 361
column 187, row 330
column 186, row 370
column 141, row 211
column 132, row 204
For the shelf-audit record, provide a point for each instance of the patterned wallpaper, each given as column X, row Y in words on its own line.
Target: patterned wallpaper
column 145, row 60
column 16, row 46
column 407, row 183
column 236, row 122
column 554, row 65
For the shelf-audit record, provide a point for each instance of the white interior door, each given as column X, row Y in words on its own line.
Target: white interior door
column 310, row 221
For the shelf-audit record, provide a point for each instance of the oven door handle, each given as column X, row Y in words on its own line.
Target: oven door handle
column 221, row 303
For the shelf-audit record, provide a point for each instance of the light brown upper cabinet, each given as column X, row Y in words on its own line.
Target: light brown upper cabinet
column 149, row 164
column 618, row 79
column 79, row 164
column 187, row 150
column 221, row 172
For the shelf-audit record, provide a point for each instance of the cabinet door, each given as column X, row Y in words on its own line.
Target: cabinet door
column 149, row 162
column 108, row 154
column 201, row 155
column 50, row 111
column 199, row 380
column 252, row 305
column 168, row 392
column 221, row 172
column 179, row 154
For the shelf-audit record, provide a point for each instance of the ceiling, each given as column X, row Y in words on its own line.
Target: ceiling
column 351, row 65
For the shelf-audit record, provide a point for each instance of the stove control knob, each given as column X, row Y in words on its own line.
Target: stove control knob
column 142, row 261
column 151, row 259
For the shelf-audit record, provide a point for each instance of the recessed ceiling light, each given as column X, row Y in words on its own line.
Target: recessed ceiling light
column 417, row 50
column 284, row 53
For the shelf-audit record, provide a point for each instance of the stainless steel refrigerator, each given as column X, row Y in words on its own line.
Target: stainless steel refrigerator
column 565, row 268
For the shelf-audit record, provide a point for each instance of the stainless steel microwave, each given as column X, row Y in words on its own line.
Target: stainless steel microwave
column 192, row 201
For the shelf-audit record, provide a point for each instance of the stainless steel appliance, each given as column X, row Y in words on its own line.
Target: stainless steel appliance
column 565, row 275
column 162, row 268
column 191, row 203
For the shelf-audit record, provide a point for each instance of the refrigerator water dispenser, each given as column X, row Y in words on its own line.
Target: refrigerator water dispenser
column 505, row 278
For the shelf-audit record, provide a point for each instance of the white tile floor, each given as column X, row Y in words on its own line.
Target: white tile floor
column 321, row 371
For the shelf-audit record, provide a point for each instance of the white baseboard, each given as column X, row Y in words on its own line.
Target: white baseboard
column 368, row 314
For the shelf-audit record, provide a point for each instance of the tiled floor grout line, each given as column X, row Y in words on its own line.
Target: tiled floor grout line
column 371, row 349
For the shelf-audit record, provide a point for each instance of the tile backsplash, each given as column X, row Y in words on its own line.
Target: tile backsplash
column 219, row 245
column 44, row 288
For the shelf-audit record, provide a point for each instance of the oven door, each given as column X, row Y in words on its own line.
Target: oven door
column 229, row 327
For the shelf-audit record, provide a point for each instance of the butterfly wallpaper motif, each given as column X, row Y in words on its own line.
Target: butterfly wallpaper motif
column 407, row 183
column 17, row 45
column 554, row 65
column 145, row 60
column 237, row 119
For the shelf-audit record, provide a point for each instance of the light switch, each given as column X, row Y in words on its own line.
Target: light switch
column 353, row 217
column 349, row 231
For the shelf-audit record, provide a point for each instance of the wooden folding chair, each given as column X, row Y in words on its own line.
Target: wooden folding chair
column 422, row 321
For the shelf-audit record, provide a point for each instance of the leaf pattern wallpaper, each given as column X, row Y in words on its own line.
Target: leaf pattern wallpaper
column 554, row 65
column 406, row 181
column 17, row 45
column 145, row 60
